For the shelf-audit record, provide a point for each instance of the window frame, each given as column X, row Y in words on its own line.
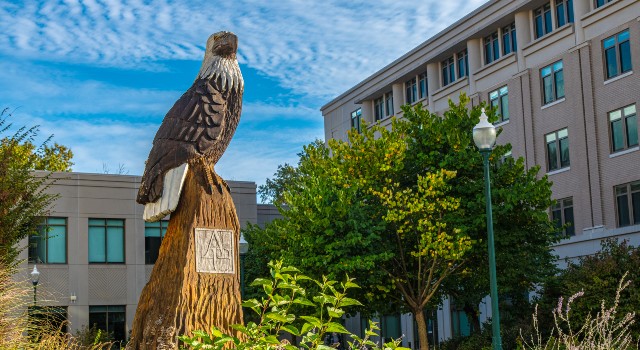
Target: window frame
column 618, row 55
column 625, row 114
column 491, row 44
column 411, row 91
column 567, row 16
column 448, row 71
column 388, row 103
column 561, row 206
column 423, row 82
column 163, row 227
column 45, row 224
column 629, row 192
column 462, row 62
column 378, row 108
column 508, row 35
column 557, row 142
column 356, row 120
column 106, row 240
column 546, row 20
column 106, row 314
column 499, row 95
column 600, row 3
column 553, row 74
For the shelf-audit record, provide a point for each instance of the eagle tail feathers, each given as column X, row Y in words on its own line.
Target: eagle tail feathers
column 171, row 190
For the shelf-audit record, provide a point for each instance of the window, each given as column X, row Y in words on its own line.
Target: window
column 624, row 128
column 499, row 99
column 628, row 203
column 153, row 235
column 356, row 117
column 552, row 82
column 411, row 91
column 557, row 150
column 562, row 214
column 106, row 241
column 53, row 316
column 390, row 327
column 542, row 20
column 491, row 48
column 378, row 108
column 602, row 2
column 462, row 63
column 564, row 12
column 509, row 43
column 110, row 319
column 49, row 244
column 448, row 71
column 617, row 54
column 388, row 103
column 422, row 82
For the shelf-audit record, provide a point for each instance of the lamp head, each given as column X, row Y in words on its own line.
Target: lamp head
column 35, row 275
column 244, row 246
column 484, row 133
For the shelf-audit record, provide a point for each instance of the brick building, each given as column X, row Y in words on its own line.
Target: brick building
column 561, row 74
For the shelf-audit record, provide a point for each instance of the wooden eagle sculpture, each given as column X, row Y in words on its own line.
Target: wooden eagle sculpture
column 198, row 127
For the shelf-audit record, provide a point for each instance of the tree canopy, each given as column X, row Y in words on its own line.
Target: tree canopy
column 402, row 210
column 23, row 196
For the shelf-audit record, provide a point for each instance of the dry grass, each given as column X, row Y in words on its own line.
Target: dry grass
column 18, row 331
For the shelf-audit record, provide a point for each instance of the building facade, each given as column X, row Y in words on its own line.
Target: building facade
column 97, row 253
column 561, row 75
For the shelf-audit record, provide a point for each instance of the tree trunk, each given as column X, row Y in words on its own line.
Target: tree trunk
column 423, row 336
column 179, row 299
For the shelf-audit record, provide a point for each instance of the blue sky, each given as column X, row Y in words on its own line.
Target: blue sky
column 101, row 74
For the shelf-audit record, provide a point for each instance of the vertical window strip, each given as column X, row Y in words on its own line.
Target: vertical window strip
column 448, row 71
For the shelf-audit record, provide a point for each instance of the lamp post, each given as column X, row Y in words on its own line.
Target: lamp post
column 484, row 136
column 35, row 277
column 243, row 248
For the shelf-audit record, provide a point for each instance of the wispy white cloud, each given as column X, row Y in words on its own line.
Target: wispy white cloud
column 316, row 49
column 319, row 48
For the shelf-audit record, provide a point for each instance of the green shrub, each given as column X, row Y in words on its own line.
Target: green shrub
column 274, row 313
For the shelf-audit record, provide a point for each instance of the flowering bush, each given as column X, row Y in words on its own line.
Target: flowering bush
column 605, row 331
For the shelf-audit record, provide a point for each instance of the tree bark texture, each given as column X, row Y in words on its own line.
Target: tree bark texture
column 177, row 299
column 422, row 329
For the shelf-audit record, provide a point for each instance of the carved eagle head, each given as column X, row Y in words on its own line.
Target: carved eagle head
column 223, row 44
column 220, row 61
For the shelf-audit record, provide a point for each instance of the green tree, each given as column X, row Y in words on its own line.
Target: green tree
column 523, row 232
column 23, row 194
column 403, row 212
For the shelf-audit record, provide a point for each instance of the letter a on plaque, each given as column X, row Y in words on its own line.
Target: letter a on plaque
column 215, row 251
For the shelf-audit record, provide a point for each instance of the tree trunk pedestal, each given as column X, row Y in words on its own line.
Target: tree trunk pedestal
column 195, row 282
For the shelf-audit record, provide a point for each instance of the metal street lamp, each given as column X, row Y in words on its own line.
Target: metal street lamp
column 35, row 277
column 484, row 136
column 243, row 248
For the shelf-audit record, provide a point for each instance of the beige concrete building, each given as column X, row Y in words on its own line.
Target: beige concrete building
column 100, row 253
column 561, row 73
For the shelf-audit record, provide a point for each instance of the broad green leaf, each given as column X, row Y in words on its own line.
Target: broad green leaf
column 336, row 327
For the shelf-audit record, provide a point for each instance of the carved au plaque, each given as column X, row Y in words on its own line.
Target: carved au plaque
column 214, row 251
